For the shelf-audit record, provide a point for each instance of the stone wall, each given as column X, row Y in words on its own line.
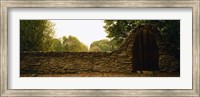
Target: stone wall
column 73, row 62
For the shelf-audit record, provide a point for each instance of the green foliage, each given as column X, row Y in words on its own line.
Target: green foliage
column 72, row 44
column 56, row 45
column 118, row 30
column 68, row 44
column 95, row 49
column 36, row 35
column 101, row 46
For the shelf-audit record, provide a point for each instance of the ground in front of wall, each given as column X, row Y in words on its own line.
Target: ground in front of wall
column 102, row 74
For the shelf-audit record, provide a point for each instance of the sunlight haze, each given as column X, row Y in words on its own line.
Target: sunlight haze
column 86, row 31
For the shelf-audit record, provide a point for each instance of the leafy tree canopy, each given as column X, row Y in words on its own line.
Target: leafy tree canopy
column 72, row 44
column 118, row 30
column 101, row 46
column 36, row 35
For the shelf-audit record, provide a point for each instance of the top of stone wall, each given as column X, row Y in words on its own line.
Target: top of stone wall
column 62, row 53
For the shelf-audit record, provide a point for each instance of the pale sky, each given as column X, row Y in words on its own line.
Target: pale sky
column 86, row 31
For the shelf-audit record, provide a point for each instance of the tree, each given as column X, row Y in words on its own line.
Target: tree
column 118, row 30
column 95, row 49
column 101, row 45
column 57, row 45
column 36, row 35
column 72, row 44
